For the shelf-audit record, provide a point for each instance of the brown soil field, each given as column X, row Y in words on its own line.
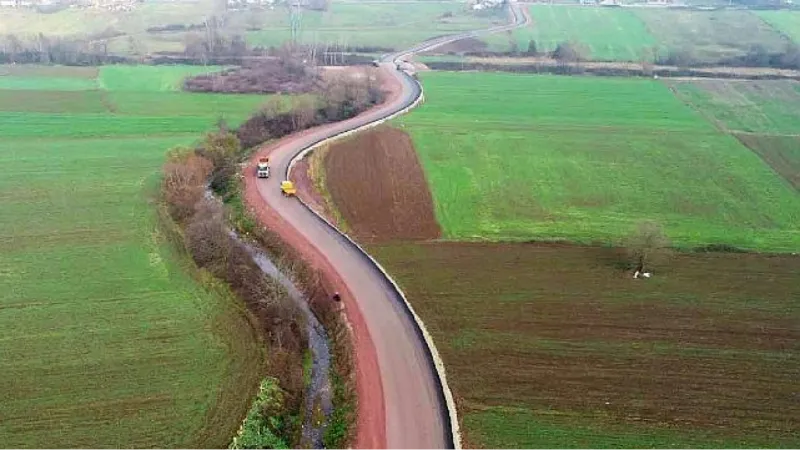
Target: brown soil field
column 376, row 181
column 707, row 347
column 782, row 153
column 463, row 45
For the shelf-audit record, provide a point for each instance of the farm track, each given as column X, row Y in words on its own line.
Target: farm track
column 404, row 401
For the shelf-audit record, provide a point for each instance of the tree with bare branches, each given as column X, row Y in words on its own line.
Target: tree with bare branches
column 184, row 181
column 646, row 243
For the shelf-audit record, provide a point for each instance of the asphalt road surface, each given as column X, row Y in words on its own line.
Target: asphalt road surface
column 416, row 414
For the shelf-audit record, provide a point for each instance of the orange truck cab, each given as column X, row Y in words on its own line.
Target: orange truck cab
column 262, row 170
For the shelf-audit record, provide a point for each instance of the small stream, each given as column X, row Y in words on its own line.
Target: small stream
column 319, row 403
column 319, row 395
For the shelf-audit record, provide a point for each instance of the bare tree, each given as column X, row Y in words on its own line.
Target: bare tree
column 681, row 57
column 207, row 239
column 647, row 58
column 135, row 47
column 304, row 110
column 195, row 46
column 221, row 146
column 532, row 49
column 273, row 106
column 646, row 243
column 570, row 51
column 184, row 180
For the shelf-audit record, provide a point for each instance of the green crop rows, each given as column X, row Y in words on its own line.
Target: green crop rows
column 386, row 25
column 107, row 341
column 710, row 36
column 610, row 34
column 514, row 157
column 768, row 107
column 787, row 22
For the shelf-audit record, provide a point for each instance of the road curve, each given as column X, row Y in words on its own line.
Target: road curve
column 416, row 411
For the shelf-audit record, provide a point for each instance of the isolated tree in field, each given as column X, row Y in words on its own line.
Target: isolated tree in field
column 195, row 46
column 758, row 56
column 570, row 51
column 532, row 48
column 646, row 243
column 647, row 58
column 681, row 57
column 791, row 57
column 135, row 47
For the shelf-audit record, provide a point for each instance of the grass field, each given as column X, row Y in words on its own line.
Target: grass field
column 513, row 157
column 782, row 153
column 383, row 24
column 550, row 346
column 387, row 25
column 610, row 34
column 710, row 35
column 92, row 22
column 767, row 107
column 763, row 115
column 786, row 22
column 107, row 340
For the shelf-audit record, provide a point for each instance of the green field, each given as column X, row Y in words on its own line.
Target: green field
column 766, row 107
column 46, row 83
column 108, row 342
column 782, row 153
column 515, row 157
column 763, row 115
column 382, row 24
column 132, row 25
column 611, row 34
column 553, row 346
column 509, row 427
column 787, row 22
column 387, row 25
column 709, row 36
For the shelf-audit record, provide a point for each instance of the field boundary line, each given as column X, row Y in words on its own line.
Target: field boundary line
column 419, row 96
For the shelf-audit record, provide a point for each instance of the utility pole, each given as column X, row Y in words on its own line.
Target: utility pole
column 295, row 20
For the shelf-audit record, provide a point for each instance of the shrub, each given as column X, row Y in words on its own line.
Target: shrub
column 184, row 181
column 570, row 51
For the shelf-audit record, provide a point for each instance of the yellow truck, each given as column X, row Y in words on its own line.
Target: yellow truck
column 288, row 189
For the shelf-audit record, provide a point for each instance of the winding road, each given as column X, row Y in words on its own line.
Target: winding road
column 394, row 360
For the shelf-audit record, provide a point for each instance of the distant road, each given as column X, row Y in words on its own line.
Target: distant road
column 416, row 413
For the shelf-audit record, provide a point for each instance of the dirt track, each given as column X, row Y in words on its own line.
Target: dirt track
column 401, row 404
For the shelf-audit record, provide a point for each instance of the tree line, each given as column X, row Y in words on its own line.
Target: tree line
column 572, row 51
column 41, row 49
column 204, row 224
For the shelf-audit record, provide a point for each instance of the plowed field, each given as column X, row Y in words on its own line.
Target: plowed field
column 553, row 346
column 378, row 186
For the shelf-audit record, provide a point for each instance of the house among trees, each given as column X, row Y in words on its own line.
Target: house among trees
column 17, row 3
column 487, row 4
